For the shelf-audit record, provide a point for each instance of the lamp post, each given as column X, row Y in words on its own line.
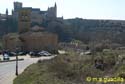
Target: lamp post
column 16, row 62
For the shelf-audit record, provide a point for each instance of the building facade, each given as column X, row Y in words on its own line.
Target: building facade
column 37, row 41
column 28, row 39
column 36, row 14
column 24, row 20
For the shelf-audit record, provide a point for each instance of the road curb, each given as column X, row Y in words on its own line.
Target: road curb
column 11, row 60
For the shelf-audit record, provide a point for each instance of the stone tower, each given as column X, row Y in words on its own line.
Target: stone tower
column 52, row 12
column 17, row 6
column 55, row 10
column 24, row 20
column 6, row 12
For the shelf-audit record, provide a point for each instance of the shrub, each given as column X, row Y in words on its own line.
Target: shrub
column 121, row 74
column 39, row 61
column 73, row 68
column 119, row 71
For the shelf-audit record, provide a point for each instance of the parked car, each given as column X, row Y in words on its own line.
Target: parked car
column 31, row 53
column 22, row 53
column 11, row 53
column 6, row 57
column 34, row 54
column 41, row 53
column 38, row 54
column 44, row 53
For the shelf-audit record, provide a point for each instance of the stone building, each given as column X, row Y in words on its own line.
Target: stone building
column 36, row 14
column 24, row 20
column 29, row 39
column 11, row 41
column 37, row 41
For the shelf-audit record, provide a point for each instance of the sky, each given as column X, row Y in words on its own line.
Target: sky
column 86, row 9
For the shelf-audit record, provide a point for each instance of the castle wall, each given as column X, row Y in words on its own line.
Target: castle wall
column 11, row 42
column 30, row 41
column 38, row 41
column 36, row 17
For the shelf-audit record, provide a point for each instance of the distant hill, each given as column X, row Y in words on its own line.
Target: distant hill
column 91, row 24
column 88, row 29
column 85, row 30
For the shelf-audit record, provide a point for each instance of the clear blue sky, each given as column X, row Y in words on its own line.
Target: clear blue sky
column 86, row 9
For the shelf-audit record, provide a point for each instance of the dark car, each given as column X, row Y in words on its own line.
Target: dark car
column 38, row 54
column 22, row 53
column 35, row 54
column 11, row 53
column 31, row 53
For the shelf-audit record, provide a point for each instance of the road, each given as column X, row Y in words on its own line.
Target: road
column 7, row 69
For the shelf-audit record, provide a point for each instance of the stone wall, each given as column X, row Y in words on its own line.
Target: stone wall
column 11, row 42
column 37, row 41
column 30, row 41
column 36, row 17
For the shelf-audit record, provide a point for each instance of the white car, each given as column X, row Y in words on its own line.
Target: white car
column 44, row 53
column 6, row 57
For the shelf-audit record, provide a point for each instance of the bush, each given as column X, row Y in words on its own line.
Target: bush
column 122, row 75
column 39, row 61
column 61, row 67
column 119, row 71
column 110, row 60
column 73, row 68
column 65, row 69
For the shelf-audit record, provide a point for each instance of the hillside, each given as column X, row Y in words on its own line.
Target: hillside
column 73, row 68
column 81, row 29
column 87, row 29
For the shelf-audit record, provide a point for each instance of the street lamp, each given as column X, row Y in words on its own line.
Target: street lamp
column 16, row 62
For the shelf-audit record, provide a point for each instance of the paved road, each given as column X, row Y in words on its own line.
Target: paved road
column 7, row 70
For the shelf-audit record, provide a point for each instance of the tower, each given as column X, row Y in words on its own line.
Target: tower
column 52, row 12
column 24, row 20
column 6, row 12
column 17, row 6
column 55, row 8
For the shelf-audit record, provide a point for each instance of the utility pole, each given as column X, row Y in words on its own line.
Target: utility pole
column 16, row 62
